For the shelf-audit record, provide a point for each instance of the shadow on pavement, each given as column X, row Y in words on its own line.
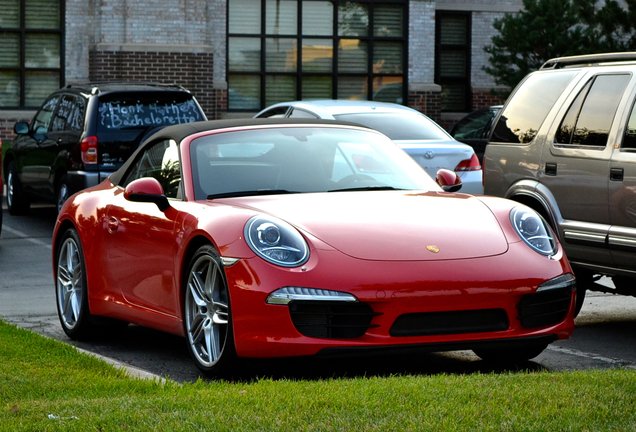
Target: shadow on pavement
column 165, row 355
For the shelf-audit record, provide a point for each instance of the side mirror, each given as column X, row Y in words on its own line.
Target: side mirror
column 448, row 180
column 21, row 128
column 147, row 190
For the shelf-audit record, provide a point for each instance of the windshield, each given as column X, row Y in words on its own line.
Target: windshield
column 399, row 126
column 143, row 110
column 301, row 159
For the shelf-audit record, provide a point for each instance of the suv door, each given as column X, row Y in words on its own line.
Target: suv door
column 29, row 146
column 576, row 166
column 622, row 192
column 63, row 137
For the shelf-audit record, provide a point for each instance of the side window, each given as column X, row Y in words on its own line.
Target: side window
column 529, row 106
column 161, row 161
column 43, row 118
column 64, row 111
column 589, row 118
column 629, row 141
column 278, row 112
column 75, row 121
column 298, row 113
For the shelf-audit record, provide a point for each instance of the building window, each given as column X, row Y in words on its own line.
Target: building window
column 452, row 59
column 282, row 50
column 30, row 51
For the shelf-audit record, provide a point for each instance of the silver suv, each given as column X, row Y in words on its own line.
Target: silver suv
column 565, row 144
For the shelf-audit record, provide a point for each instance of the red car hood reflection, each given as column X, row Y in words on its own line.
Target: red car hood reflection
column 390, row 226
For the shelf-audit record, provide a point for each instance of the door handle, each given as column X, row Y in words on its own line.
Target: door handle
column 616, row 174
column 550, row 169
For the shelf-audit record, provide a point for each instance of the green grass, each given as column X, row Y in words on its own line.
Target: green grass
column 41, row 377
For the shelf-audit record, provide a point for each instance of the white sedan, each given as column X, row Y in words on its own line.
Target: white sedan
column 423, row 139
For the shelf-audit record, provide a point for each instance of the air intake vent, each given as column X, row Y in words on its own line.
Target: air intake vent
column 454, row 322
column 544, row 308
column 331, row 319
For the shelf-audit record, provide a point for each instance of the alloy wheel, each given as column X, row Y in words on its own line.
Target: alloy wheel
column 206, row 310
column 69, row 283
column 10, row 181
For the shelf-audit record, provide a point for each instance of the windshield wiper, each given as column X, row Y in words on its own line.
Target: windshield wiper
column 366, row 188
column 251, row 193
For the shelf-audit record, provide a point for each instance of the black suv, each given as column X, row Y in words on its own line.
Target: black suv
column 83, row 133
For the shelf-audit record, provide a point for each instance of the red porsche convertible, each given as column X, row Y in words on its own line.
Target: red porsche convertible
column 271, row 238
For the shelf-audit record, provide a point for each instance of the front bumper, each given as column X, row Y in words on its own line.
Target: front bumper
column 482, row 295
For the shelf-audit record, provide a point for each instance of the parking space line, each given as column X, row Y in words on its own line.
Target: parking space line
column 26, row 237
column 614, row 361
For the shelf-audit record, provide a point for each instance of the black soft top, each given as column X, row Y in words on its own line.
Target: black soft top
column 179, row 132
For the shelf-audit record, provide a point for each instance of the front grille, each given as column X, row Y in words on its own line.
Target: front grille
column 331, row 319
column 452, row 322
column 544, row 308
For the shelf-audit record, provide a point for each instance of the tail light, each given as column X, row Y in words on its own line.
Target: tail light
column 89, row 150
column 471, row 164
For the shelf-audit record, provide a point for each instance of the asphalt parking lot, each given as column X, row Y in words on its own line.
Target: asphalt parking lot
column 605, row 336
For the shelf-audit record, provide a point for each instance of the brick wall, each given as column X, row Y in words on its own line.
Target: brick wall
column 426, row 102
column 191, row 70
column 485, row 99
column 8, row 120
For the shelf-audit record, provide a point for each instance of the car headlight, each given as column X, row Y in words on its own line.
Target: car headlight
column 533, row 230
column 276, row 241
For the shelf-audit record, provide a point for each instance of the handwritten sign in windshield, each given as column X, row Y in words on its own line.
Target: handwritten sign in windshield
column 124, row 114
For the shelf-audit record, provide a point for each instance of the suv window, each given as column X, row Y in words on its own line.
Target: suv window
column 70, row 114
column 529, row 106
column 590, row 116
column 629, row 142
column 119, row 111
column 42, row 120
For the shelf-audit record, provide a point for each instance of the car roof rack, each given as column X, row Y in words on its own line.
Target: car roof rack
column 589, row 60
column 93, row 87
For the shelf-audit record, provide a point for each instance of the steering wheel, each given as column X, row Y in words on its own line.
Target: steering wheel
column 352, row 179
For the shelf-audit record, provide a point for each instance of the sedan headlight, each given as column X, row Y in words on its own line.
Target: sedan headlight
column 533, row 230
column 276, row 241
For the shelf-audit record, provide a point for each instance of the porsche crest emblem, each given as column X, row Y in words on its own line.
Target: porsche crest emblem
column 433, row 248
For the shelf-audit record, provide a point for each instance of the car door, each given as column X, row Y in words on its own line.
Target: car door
column 63, row 137
column 622, row 191
column 575, row 167
column 141, row 239
column 29, row 147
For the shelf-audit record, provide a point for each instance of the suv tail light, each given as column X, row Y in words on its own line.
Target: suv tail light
column 89, row 150
column 471, row 164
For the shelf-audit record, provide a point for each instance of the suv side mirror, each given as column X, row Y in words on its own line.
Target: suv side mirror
column 21, row 128
column 148, row 190
column 448, row 180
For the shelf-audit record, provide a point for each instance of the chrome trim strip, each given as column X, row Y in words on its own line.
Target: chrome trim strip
column 621, row 241
column 581, row 236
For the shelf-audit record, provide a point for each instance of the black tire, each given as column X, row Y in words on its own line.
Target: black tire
column 510, row 355
column 71, row 290
column 17, row 202
column 625, row 285
column 62, row 192
column 207, row 315
column 584, row 282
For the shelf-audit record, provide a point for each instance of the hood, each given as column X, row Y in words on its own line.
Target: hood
column 390, row 226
